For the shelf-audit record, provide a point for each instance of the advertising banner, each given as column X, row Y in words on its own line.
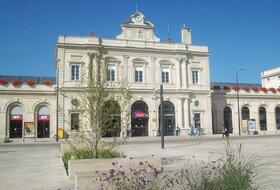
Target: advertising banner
column 44, row 117
column 251, row 125
column 139, row 114
column 29, row 129
column 16, row 117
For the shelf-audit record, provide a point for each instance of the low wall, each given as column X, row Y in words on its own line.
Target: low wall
column 83, row 171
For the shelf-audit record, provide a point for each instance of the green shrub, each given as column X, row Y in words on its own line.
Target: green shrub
column 88, row 154
column 238, row 171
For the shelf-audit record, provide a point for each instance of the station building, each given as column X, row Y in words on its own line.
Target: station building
column 138, row 56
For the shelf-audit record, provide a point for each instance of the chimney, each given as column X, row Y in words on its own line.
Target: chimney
column 186, row 35
column 169, row 40
column 91, row 34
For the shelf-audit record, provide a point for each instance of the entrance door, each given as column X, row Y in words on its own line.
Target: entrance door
column 15, row 128
column 16, row 122
column 43, row 129
column 168, row 118
column 228, row 119
column 139, row 119
column 43, row 122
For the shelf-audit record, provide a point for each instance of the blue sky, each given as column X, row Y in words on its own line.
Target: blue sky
column 239, row 33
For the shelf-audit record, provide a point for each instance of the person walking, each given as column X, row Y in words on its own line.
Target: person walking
column 226, row 132
column 198, row 130
column 223, row 131
column 177, row 130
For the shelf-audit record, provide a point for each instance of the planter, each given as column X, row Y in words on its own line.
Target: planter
column 263, row 89
column 246, row 88
column 17, row 83
column 255, row 89
column 3, row 82
column 30, row 82
column 92, row 165
column 226, row 88
column 236, row 88
column 273, row 90
column 47, row 82
column 216, row 87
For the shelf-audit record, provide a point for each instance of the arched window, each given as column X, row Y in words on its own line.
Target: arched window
column 16, row 118
column 228, row 119
column 245, row 113
column 43, row 122
column 277, row 117
column 168, row 119
column 262, row 116
column 139, row 118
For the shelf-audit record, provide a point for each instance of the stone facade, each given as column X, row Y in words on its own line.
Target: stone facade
column 271, row 78
column 23, row 104
column 137, row 49
column 145, row 62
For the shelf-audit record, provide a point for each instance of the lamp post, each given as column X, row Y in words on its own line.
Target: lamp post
column 237, row 96
column 161, row 117
column 57, row 92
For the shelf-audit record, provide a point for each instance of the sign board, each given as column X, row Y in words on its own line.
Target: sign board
column 16, row 117
column 44, row 117
column 139, row 114
column 251, row 125
column 29, row 129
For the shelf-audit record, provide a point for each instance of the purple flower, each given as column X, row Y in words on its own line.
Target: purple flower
column 112, row 171
column 101, row 187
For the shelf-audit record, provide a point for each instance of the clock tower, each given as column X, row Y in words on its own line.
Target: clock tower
column 137, row 28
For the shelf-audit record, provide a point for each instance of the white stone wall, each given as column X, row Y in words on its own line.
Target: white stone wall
column 129, row 51
column 252, row 100
column 271, row 78
column 29, row 99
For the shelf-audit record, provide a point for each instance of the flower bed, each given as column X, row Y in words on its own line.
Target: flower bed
column 255, row 89
column 235, row 87
column 47, row 82
column 17, row 82
column 263, row 89
column 227, row 88
column 246, row 88
column 30, row 82
column 3, row 81
column 216, row 87
column 272, row 90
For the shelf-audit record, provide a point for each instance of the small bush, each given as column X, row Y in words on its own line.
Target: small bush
column 88, row 154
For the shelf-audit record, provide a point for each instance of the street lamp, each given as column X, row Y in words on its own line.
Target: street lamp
column 237, row 93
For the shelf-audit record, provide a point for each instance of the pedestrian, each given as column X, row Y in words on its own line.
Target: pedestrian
column 177, row 130
column 223, row 131
column 226, row 132
column 198, row 131
column 191, row 130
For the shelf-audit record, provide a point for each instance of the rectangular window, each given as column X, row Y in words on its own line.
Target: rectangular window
column 75, row 72
column 195, row 77
column 75, row 121
column 196, row 119
column 111, row 73
column 165, row 75
column 138, row 74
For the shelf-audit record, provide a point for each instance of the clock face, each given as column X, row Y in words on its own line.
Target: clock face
column 139, row 18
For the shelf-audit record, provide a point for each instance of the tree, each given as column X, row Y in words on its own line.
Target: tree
column 103, row 106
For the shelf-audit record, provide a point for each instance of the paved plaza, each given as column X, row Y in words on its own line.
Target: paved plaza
column 38, row 165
